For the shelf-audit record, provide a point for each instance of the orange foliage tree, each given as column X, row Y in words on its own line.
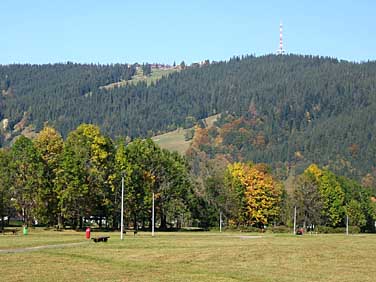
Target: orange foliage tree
column 262, row 193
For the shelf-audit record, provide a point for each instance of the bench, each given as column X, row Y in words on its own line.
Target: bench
column 100, row 239
column 14, row 231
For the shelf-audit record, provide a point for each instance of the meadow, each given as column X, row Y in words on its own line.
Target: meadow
column 156, row 74
column 188, row 256
column 173, row 141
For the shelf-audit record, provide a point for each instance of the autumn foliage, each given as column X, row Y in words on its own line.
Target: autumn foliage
column 261, row 192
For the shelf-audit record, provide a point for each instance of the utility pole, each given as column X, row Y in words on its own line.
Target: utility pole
column 122, row 209
column 152, row 219
column 295, row 220
column 347, row 225
column 220, row 221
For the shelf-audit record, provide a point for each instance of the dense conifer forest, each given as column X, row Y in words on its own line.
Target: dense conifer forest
column 289, row 110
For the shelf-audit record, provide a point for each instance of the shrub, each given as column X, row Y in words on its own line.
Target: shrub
column 280, row 229
column 337, row 230
column 249, row 229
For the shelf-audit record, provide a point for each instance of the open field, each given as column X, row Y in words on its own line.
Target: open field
column 190, row 256
column 173, row 141
column 156, row 74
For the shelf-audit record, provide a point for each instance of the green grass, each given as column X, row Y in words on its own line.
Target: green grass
column 38, row 237
column 173, row 141
column 156, row 74
column 196, row 256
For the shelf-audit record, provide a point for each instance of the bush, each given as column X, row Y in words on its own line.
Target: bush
column 249, row 229
column 354, row 229
column 337, row 230
column 273, row 229
column 280, row 229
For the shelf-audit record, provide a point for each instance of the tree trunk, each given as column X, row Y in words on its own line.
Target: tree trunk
column 78, row 222
column 163, row 221
column 135, row 227
column 2, row 213
column 178, row 222
column 60, row 221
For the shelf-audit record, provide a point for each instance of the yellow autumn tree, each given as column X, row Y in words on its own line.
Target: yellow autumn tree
column 233, row 181
column 261, row 192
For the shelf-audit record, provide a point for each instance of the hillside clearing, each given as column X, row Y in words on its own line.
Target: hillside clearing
column 156, row 74
column 175, row 140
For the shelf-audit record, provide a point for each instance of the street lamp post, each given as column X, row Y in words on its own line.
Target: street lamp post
column 122, row 210
column 152, row 218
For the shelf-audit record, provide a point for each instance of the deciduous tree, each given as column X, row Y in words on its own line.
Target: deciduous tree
column 49, row 144
column 27, row 177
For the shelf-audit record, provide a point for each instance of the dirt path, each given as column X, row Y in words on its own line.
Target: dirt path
column 37, row 248
column 249, row 237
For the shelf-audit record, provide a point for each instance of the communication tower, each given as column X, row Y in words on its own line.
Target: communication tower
column 280, row 50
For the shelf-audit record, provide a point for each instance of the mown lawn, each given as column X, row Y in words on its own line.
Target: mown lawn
column 196, row 256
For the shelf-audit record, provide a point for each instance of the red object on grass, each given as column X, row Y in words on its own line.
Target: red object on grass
column 88, row 233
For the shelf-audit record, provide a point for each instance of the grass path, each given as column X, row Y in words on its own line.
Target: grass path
column 37, row 248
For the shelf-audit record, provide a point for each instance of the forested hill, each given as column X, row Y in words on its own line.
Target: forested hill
column 312, row 108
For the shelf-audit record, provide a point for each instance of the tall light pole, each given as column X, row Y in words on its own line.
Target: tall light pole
column 294, row 220
column 347, row 225
column 122, row 209
column 220, row 221
column 152, row 218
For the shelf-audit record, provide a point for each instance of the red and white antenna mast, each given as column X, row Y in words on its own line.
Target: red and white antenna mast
column 280, row 51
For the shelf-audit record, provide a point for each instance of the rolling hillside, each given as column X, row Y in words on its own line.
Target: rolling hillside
column 275, row 109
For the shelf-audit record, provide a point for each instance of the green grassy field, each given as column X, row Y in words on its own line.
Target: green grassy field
column 190, row 256
column 175, row 140
column 156, row 74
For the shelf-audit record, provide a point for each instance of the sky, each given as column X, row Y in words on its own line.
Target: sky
column 114, row 31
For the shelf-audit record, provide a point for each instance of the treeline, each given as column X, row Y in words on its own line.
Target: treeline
column 249, row 195
column 55, row 182
column 315, row 107
column 255, row 194
column 73, row 182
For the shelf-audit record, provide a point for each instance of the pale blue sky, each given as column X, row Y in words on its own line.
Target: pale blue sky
column 109, row 31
